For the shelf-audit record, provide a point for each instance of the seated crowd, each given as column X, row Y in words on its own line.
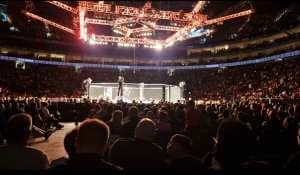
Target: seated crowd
column 248, row 129
column 162, row 136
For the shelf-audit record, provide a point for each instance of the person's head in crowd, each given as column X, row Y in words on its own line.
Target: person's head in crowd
column 150, row 114
column 92, row 137
column 271, row 114
column 70, row 142
column 291, row 111
column 201, row 108
column 38, row 103
column 21, row 106
column 2, row 107
column 15, row 105
column 44, row 104
column 221, row 109
column 117, row 117
column 104, row 105
column 257, row 107
column 133, row 112
column 226, row 113
column 190, row 105
column 252, row 106
column 164, row 108
column 179, row 145
column 164, row 122
column 163, row 116
column 19, row 128
column 179, row 111
column 98, row 108
column 243, row 116
column 145, row 110
column 233, row 139
column 281, row 114
column 145, row 130
column 55, row 105
column 33, row 104
column 297, row 111
column 263, row 112
column 118, row 107
column 110, row 108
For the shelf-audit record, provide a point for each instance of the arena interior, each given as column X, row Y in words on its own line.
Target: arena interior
column 207, row 86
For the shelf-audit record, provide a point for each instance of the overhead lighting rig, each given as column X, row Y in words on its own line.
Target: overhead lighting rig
column 123, row 21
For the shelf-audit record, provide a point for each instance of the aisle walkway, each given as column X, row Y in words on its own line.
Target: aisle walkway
column 54, row 146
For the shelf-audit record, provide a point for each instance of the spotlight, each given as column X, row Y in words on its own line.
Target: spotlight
column 48, row 34
column 92, row 42
column 158, row 46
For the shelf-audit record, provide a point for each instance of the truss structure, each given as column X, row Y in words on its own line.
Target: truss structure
column 135, row 25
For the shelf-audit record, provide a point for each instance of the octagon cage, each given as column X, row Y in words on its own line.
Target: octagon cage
column 138, row 92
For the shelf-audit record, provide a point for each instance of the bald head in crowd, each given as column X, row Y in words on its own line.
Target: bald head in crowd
column 145, row 129
column 92, row 137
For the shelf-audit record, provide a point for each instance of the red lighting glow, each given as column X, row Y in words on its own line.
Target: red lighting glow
column 120, row 18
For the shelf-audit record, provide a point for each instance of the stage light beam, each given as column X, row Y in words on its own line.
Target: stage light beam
column 158, row 46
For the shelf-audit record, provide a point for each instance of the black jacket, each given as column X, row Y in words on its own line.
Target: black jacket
column 88, row 161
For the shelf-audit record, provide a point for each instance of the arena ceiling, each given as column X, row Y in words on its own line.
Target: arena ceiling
column 267, row 16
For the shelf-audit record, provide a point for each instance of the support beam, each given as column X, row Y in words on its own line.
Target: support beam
column 113, row 39
column 111, row 23
column 64, row 6
column 184, row 31
column 99, row 21
column 141, row 29
column 46, row 21
column 224, row 18
column 136, row 12
column 198, row 7
column 144, row 15
column 167, row 28
column 82, row 24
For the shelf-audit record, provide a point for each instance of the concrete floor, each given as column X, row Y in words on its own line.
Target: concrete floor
column 54, row 146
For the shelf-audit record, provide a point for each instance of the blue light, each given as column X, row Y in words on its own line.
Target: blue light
column 3, row 17
column 282, row 56
column 197, row 33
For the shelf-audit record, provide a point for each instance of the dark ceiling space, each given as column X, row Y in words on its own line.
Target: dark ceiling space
column 261, row 21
